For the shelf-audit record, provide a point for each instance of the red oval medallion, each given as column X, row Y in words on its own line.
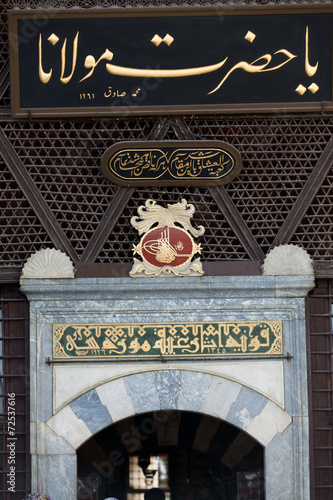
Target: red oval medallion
column 167, row 246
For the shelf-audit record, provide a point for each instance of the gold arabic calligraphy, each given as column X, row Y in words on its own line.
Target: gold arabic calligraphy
column 189, row 163
column 259, row 65
column 163, row 250
column 168, row 339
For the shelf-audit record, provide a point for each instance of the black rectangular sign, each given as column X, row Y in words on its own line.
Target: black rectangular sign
column 162, row 61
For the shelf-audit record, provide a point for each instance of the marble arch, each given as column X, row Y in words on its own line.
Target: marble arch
column 180, row 390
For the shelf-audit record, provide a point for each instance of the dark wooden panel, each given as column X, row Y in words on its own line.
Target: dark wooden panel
column 320, row 350
column 14, row 338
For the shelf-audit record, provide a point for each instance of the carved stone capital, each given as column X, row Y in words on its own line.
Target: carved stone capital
column 48, row 263
column 287, row 260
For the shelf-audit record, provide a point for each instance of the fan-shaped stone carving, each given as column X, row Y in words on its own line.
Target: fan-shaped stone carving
column 288, row 260
column 48, row 263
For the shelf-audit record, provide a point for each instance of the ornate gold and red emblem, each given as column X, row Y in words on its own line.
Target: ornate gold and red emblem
column 166, row 248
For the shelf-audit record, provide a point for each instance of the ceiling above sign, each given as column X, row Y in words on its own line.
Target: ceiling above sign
column 171, row 60
column 171, row 163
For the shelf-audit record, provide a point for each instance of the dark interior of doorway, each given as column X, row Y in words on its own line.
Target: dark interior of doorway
column 189, row 456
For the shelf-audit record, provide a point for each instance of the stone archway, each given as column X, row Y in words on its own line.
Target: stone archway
column 184, row 390
column 186, row 452
column 73, row 399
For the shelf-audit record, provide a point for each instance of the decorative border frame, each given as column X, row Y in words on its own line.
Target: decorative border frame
column 171, row 340
column 19, row 112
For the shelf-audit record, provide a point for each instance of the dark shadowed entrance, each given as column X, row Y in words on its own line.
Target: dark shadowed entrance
column 189, row 455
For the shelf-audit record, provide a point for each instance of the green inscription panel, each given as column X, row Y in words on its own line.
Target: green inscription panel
column 144, row 340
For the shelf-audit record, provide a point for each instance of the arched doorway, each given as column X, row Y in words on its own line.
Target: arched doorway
column 75, row 399
column 187, row 455
column 166, row 391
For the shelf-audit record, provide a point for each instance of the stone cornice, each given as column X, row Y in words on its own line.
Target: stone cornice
column 180, row 288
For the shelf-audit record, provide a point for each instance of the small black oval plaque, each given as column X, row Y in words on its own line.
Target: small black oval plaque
column 171, row 163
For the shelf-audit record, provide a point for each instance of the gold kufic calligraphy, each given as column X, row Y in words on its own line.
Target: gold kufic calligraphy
column 165, row 248
column 247, row 338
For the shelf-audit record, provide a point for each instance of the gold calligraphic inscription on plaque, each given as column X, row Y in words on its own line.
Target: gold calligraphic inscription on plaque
column 165, row 61
column 246, row 338
column 171, row 163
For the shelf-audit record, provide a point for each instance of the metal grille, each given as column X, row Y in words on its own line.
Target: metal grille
column 320, row 309
column 318, row 239
column 279, row 153
column 63, row 160
column 20, row 229
column 14, row 396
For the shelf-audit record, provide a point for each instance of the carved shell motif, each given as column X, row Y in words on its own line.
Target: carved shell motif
column 288, row 260
column 48, row 263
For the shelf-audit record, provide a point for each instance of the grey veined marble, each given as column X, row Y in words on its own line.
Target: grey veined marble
column 70, row 404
